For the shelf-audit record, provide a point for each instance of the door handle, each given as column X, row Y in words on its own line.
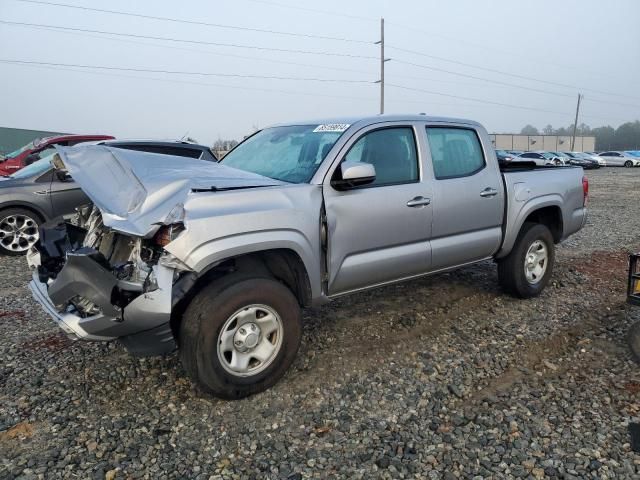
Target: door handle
column 42, row 192
column 489, row 192
column 418, row 202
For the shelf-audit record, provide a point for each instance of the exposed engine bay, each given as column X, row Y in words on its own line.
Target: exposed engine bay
column 129, row 260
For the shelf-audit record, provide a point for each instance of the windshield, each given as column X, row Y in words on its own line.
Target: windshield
column 291, row 154
column 548, row 155
column 633, row 153
column 28, row 146
column 35, row 168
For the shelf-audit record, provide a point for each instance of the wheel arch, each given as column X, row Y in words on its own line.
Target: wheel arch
column 543, row 210
column 25, row 206
column 283, row 264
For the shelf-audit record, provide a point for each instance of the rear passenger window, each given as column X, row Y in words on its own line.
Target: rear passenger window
column 392, row 151
column 455, row 152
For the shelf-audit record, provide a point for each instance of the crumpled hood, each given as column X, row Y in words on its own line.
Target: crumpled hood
column 136, row 191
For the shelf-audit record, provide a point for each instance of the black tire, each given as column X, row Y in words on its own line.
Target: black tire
column 511, row 269
column 5, row 247
column 628, row 164
column 633, row 338
column 208, row 313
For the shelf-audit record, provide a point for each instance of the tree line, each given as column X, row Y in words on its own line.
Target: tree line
column 625, row 137
column 224, row 145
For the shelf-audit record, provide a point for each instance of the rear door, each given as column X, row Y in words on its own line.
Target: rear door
column 379, row 232
column 468, row 196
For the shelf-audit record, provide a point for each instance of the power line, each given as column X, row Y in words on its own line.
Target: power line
column 489, row 102
column 269, row 90
column 475, row 77
column 174, row 47
column 487, row 47
column 515, row 75
column 182, row 40
column 508, row 84
column 177, row 72
column 194, row 22
column 236, row 87
column 191, row 82
column 201, row 42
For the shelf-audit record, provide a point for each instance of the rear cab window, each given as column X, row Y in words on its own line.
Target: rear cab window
column 455, row 152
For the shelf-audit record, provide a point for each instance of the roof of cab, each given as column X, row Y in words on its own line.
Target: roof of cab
column 373, row 119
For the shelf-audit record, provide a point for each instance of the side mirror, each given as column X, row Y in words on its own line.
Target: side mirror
column 31, row 158
column 63, row 176
column 354, row 174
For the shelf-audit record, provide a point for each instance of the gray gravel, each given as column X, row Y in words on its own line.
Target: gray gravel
column 443, row 377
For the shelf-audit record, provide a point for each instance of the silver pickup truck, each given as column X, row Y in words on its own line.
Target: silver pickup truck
column 218, row 259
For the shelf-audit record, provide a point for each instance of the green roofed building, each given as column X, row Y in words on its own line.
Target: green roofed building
column 13, row 138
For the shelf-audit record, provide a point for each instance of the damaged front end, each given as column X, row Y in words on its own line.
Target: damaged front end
column 99, row 284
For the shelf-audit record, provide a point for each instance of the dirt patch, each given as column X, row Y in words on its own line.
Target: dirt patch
column 21, row 430
column 51, row 343
column 605, row 265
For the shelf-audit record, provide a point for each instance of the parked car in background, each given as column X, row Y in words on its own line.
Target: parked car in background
column 620, row 159
column 591, row 156
column 38, row 192
column 177, row 148
column 581, row 161
column 504, row 156
column 540, row 158
column 41, row 148
column 219, row 258
column 562, row 156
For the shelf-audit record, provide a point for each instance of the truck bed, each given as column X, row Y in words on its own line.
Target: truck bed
column 559, row 190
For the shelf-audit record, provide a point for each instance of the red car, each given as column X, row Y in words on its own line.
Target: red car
column 41, row 148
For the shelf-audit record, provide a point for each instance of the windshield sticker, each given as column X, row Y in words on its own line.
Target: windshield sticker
column 332, row 127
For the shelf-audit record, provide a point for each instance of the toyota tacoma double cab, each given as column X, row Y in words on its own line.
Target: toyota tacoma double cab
column 217, row 259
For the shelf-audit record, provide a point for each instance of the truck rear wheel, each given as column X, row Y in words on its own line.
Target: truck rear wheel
column 527, row 269
column 239, row 335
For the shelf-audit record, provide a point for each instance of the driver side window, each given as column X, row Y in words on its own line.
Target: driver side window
column 393, row 153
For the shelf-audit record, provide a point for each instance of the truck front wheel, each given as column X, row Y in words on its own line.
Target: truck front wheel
column 527, row 269
column 239, row 335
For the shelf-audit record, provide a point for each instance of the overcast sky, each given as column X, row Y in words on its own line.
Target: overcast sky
column 588, row 46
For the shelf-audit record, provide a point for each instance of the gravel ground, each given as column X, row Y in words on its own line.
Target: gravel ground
column 444, row 377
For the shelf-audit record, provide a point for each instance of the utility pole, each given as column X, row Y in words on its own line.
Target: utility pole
column 575, row 123
column 382, row 62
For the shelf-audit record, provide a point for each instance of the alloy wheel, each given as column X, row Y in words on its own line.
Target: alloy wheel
column 18, row 232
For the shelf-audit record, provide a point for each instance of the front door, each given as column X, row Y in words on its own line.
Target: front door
column 66, row 196
column 468, row 197
column 379, row 232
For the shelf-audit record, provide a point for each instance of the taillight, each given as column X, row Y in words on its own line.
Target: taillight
column 168, row 234
column 585, row 191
